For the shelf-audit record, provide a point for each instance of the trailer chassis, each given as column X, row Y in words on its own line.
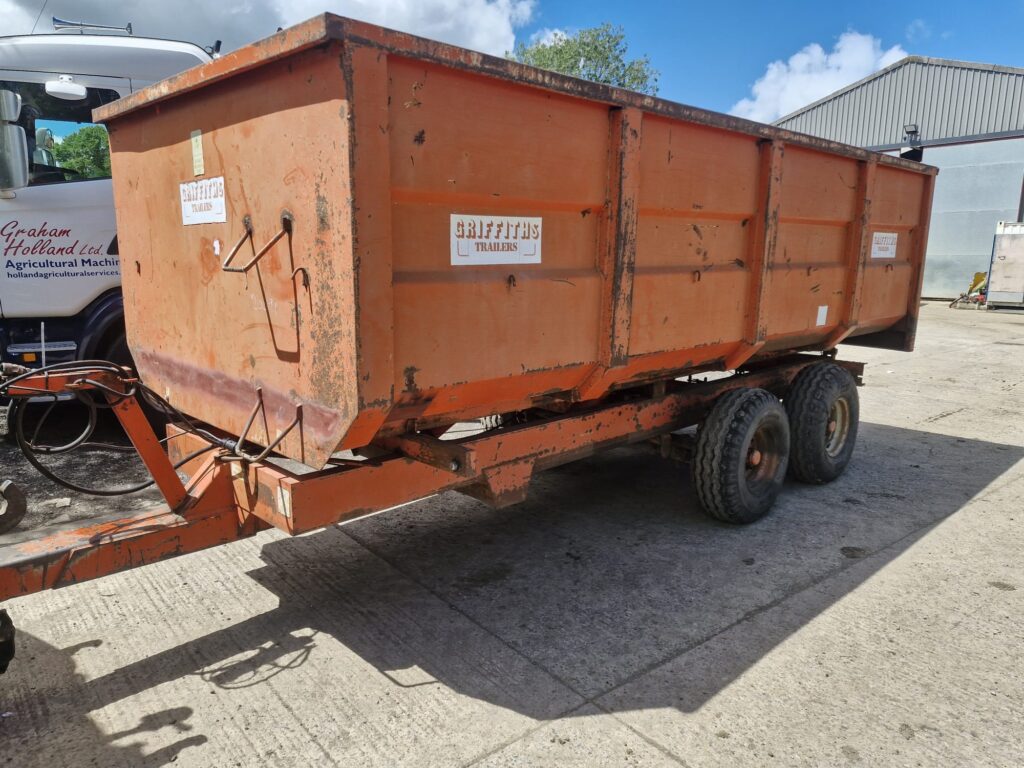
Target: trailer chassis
column 219, row 496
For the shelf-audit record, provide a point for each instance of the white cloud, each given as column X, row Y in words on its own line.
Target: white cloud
column 811, row 73
column 17, row 16
column 483, row 25
column 918, row 29
column 547, row 36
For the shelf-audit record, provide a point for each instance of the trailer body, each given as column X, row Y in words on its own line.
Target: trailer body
column 420, row 234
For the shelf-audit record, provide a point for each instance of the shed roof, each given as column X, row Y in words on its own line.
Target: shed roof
column 950, row 101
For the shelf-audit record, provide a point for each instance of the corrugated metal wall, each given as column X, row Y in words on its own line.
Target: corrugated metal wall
column 946, row 99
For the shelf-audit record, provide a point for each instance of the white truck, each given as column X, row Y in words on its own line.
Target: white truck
column 60, row 296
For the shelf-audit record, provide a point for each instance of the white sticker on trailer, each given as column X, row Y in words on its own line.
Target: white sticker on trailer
column 495, row 239
column 883, row 245
column 822, row 315
column 202, row 201
column 198, row 167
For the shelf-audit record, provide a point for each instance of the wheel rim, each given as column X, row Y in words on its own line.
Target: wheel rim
column 763, row 455
column 837, row 428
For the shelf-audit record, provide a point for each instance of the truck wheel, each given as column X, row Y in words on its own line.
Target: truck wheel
column 823, row 408
column 117, row 351
column 12, row 506
column 741, row 456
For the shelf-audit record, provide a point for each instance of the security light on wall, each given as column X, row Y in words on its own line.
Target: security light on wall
column 913, row 136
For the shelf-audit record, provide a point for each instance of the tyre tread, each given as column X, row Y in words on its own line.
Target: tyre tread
column 809, row 391
column 719, row 441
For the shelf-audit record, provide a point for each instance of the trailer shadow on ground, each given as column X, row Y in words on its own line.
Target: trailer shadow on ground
column 608, row 571
column 60, row 731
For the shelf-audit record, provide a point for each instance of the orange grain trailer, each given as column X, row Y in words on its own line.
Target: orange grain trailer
column 344, row 238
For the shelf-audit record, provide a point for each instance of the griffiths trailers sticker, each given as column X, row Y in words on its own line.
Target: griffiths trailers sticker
column 883, row 245
column 202, row 202
column 495, row 239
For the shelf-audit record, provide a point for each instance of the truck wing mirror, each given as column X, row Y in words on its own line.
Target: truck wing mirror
column 13, row 144
column 10, row 106
column 65, row 87
column 13, row 157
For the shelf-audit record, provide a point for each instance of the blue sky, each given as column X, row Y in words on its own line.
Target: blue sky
column 60, row 128
column 711, row 53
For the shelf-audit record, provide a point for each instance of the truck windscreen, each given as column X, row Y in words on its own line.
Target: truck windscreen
column 64, row 144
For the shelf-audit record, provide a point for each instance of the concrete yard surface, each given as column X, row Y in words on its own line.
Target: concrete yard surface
column 606, row 621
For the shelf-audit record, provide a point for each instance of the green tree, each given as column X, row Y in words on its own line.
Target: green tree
column 597, row 54
column 87, row 151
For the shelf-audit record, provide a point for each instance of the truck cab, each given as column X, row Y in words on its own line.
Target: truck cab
column 60, row 296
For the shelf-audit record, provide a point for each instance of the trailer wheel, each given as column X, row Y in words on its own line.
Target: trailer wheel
column 823, row 408
column 12, row 506
column 741, row 456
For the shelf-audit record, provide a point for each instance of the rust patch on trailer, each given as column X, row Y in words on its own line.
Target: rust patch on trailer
column 323, row 218
column 410, row 378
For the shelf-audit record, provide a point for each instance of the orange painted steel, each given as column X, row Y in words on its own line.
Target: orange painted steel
column 196, row 517
column 102, row 547
column 225, row 499
column 495, row 467
column 672, row 239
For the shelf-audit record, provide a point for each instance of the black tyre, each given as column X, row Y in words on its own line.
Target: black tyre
column 741, row 457
column 824, row 409
column 12, row 506
column 7, row 637
column 117, row 351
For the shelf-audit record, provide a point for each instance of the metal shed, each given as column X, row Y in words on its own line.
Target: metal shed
column 967, row 119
